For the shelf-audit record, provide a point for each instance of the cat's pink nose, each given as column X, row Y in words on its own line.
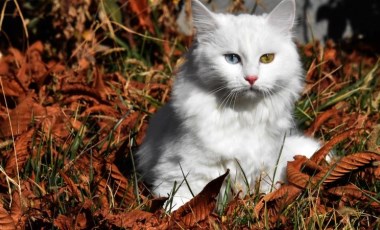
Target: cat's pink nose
column 251, row 79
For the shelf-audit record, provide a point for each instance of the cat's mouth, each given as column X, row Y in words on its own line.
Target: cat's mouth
column 252, row 90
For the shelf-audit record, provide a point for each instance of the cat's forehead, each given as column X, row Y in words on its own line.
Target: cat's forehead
column 244, row 29
column 240, row 20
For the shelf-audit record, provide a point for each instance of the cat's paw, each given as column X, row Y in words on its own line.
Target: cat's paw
column 300, row 145
column 175, row 202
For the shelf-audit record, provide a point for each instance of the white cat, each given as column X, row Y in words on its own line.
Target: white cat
column 232, row 102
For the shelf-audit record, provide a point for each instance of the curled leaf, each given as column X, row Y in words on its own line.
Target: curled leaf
column 277, row 200
column 322, row 153
column 320, row 120
column 349, row 164
column 294, row 172
column 201, row 206
column 354, row 195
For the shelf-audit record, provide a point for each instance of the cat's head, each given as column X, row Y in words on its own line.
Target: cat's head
column 252, row 55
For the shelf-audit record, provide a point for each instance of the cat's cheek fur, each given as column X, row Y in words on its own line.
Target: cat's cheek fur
column 282, row 70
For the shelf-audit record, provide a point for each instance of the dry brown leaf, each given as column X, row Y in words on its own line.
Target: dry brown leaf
column 18, row 208
column 123, row 189
column 132, row 219
column 295, row 176
column 71, row 185
column 320, row 119
column 58, row 124
column 4, row 66
column 278, row 199
column 77, row 98
column 83, row 90
column 18, row 57
column 201, row 206
column 63, row 222
column 103, row 109
column 142, row 10
column 23, row 204
column 348, row 164
column 348, row 190
column 324, row 151
column 35, row 66
column 37, row 47
column 31, row 68
column 101, row 192
column 22, row 151
column 99, row 85
column 81, row 221
column 354, row 195
column 21, row 117
column 6, row 221
column 11, row 88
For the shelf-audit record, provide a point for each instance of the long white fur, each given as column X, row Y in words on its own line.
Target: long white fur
column 214, row 120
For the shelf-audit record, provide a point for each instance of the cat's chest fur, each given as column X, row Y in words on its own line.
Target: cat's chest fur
column 229, row 142
column 250, row 137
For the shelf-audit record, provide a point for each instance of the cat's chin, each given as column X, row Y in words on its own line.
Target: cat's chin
column 251, row 93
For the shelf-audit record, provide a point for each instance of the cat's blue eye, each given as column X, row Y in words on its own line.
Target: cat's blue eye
column 232, row 58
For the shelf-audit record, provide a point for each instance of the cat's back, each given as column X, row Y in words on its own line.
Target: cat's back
column 162, row 137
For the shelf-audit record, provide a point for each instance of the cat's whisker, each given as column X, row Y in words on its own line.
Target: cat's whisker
column 233, row 99
column 236, row 96
column 216, row 90
column 224, row 102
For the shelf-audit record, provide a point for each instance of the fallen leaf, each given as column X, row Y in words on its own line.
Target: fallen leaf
column 21, row 117
column 99, row 85
column 130, row 219
column 355, row 195
column 322, row 152
column 294, row 172
column 17, row 207
column 22, row 152
column 6, row 221
column 10, row 87
column 71, row 185
column 124, row 190
column 63, row 222
column 277, row 200
column 201, row 206
column 348, row 164
column 142, row 10
column 320, row 119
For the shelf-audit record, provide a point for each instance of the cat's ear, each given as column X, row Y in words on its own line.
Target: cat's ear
column 203, row 18
column 283, row 15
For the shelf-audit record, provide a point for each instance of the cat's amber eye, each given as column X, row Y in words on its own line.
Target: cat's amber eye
column 232, row 58
column 267, row 58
